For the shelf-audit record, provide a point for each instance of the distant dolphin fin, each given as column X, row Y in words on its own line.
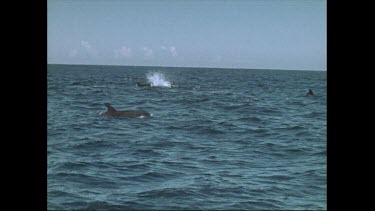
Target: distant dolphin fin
column 109, row 107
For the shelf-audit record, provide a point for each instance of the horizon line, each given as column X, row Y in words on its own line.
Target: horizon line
column 187, row 67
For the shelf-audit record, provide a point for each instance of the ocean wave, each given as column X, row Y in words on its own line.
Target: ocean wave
column 180, row 165
column 226, row 125
column 73, row 166
column 142, row 166
column 205, row 127
column 295, row 151
column 61, row 193
column 196, row 100
column 268, row 111
column 146, row 152
column 255, row 205
column 235, row 107
column 85, row 180
column 290, row 128
column 209, row 130
column 89, row 144
column 150, row 176
column 183, row 145
column 315, row 114
column 314, row 173
column 105, row 205
column 323, row 152
column 171, row 193
column 250, row 119
column 218, row 142
column 279, row 177
column 303, row 134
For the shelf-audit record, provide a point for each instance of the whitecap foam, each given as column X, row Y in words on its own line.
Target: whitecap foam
column 158, row 79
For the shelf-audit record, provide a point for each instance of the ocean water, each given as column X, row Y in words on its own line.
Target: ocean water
column 218, row 139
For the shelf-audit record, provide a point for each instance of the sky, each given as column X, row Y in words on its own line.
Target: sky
column 251, row 34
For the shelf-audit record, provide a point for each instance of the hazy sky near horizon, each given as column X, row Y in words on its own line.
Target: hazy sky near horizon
column 270, row 34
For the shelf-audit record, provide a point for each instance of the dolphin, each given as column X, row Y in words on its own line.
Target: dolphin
column 111, row 112
column 311, row 93
column 173, row 84
column 143, row 84
column 138, row 84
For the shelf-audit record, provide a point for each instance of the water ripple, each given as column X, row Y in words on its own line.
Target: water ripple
column 221, row 139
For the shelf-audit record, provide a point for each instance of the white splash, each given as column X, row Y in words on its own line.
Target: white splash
column 158, row 79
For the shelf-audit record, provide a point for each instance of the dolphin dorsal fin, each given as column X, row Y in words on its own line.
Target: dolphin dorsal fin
column 109, row 107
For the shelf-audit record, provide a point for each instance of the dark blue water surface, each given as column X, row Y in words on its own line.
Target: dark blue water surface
column 222, row 139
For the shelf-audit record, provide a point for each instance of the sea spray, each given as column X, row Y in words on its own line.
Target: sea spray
column 158, row 79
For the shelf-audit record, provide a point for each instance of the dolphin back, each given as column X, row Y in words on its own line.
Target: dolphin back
column 112, row 112
column 133, row 113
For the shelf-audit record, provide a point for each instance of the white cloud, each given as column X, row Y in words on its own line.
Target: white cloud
column 170, row 49
column 173, row 51
column 86, row 44
column 73, row 53
column 148, row 52
column 89, row 48
column 123, row 52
